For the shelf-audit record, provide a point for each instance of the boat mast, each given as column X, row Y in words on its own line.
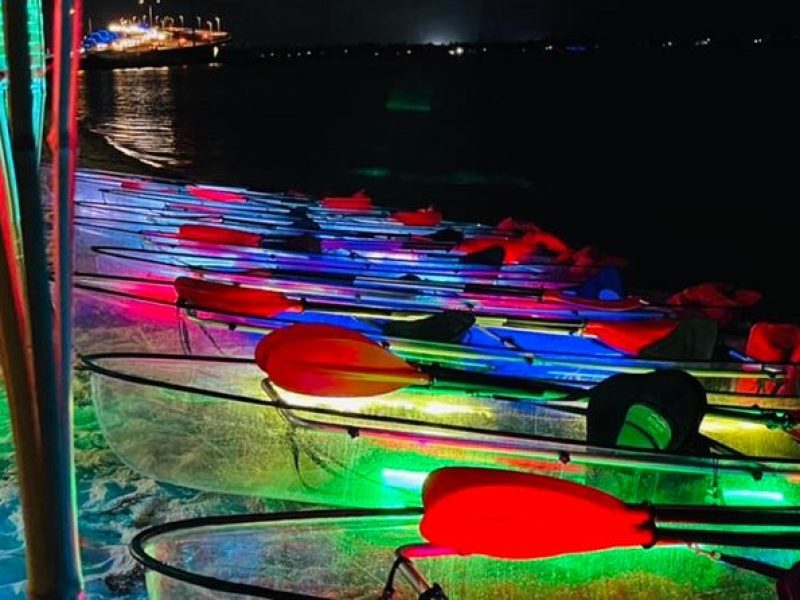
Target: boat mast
column 150, row 8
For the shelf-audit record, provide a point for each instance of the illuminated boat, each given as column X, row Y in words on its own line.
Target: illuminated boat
column 259, row 217
column 403, row 253
column 258, row 208
column 134, row 45
column 391, row 554
column 320, row 429
column 342, row 236
column 209, row 317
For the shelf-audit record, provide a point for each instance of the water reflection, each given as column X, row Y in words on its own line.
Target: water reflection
column 134, row 110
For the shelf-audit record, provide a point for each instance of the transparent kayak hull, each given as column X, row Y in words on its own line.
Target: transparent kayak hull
column 242, row 260
column 207, row 424
column 346, row 555
column 141, row 315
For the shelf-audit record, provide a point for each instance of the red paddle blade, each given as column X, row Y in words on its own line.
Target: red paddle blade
column 214, row 194
column 308, row 332
column 359, row 201
column 333, row 362
column 631, row 337
column 511, row 515
column 224, row 297
column 424, row 217
column 209, row 234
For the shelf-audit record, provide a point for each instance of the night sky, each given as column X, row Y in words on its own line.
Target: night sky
column 422, row 21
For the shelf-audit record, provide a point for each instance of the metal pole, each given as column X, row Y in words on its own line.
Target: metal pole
column 41, row 414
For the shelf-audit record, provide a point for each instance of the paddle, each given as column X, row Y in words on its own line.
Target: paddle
column 331, row 361
column 513, row 515
column 522, row 516
column 301, row 359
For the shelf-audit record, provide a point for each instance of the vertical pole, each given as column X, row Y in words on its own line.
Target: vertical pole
column 67, row 20
column 41, row 412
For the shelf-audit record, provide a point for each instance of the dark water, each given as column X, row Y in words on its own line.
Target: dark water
column 683, row 161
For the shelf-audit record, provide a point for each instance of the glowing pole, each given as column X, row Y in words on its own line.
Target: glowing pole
column 35, row 346
column 64, row 149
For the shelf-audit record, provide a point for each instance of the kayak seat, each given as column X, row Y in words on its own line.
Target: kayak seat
column 448, row 235
column 661, row 410
column 305, row 243
column 693, row 339
column 494, row 256
column 448, row 326
column 306, row 223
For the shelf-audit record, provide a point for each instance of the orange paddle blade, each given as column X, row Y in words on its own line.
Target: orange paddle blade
column 323, row 360
column 225, row 297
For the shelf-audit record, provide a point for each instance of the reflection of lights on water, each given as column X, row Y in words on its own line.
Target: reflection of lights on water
column 216, row 51
column 138, row 119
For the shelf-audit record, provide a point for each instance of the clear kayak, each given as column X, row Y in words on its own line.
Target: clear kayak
column 154, row 315
column 335, row 214
column 219, row 424
column 348, row 555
